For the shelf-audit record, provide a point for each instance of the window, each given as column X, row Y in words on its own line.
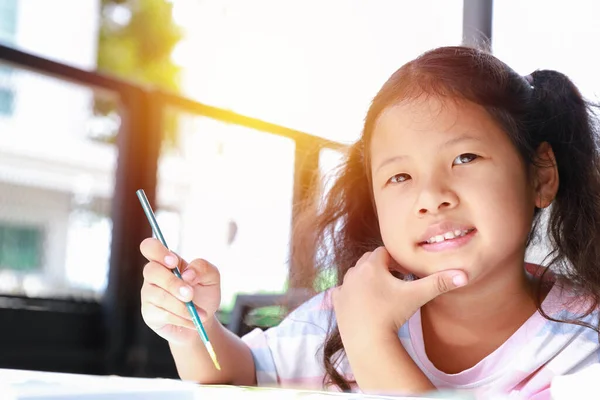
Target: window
column 225, row 194
column 20, row 247
column 6, row 101
column 541, row 34
column 7, row 93
column 317, row 80
column 8, row 33
column 8, row 21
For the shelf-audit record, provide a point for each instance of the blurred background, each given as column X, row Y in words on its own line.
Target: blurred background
column 224, row 112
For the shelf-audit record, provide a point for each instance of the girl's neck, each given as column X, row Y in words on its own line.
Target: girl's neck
column 462, row 327
column 509, row 289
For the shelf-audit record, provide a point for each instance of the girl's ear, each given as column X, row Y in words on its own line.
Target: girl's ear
column 545, row 176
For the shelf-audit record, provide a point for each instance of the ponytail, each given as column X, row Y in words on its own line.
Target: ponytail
column 562, row 118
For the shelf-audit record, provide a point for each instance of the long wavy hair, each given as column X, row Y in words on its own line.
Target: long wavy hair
column 542, row 107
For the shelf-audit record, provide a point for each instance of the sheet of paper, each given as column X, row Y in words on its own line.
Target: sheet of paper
column 37, row 385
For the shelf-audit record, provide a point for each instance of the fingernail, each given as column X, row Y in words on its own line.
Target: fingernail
column 185, row 291
column 171, row 260
column 188, row 275
column 459, row 280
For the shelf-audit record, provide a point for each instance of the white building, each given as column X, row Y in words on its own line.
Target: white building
column 48, row 165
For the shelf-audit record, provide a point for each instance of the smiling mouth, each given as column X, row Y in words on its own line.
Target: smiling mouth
column 450, row 235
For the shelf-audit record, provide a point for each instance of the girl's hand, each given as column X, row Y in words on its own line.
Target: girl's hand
column 370, row 307
column 372, row 300
column 163, row 294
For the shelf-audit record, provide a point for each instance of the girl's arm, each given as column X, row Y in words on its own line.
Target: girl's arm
column 194, row 364
column 381, row 365
column 370, row 307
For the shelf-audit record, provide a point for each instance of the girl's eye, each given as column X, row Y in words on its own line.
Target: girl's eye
column 465, row 158
column 399, row 178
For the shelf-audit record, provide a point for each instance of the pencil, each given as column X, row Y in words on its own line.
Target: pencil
column 190, row 305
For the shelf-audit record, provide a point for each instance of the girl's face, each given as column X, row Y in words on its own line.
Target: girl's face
column 451, row 190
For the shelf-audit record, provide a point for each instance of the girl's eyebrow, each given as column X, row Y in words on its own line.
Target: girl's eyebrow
column 449, row 143
column 460, row 139
column 390, row 161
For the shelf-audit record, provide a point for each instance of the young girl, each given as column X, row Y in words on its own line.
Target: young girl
column 461, row 164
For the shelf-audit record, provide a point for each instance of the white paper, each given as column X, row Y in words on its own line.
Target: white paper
column 38, row 385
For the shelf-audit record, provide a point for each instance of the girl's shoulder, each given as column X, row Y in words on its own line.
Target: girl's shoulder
column 291, row 353
column 564, row 299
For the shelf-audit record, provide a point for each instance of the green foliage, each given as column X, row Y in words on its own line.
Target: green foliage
column 265, row 317
column 325, row 279
column 136, row 40
column 135, row 43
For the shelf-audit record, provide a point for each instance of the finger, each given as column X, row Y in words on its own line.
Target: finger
column 363, row 258
column 381, row 257
column 201, row 272
column 154, row 250
column 158, row 317
column 152, row 294
column 428, row 288
column 347, row 275
column 156, row 274
column 160, row 298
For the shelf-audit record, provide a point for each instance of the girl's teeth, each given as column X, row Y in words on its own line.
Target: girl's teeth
column 447, row 236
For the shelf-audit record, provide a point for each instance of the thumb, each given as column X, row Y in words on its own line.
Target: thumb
column 428, row 288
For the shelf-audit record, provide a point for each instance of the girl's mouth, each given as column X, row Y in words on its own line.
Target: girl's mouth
column 449, row 240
